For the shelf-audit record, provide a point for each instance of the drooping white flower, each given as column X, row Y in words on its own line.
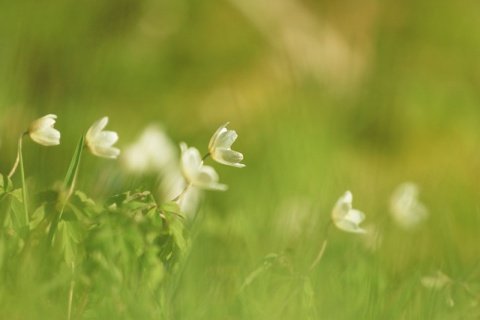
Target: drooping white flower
column 42, row 132
column 346, row 218
column 100, row 142
column 196, row 173
column 152, row 152
column 405, row 208
column 220, row 147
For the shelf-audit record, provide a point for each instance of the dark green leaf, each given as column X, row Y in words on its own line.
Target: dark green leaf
column 73, row 168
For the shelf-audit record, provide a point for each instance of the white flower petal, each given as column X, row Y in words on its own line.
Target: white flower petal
column 106, row 152
column 342, row 207
column 96, row 128
column 191, row 162
column 107, row 138
column 228, row 157
column 226, row 139
column 216, row 134
column 349, row 226
column 207, row 178
column 355, row 216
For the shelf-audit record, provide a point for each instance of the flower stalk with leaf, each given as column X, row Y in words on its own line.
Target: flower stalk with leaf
column 42, row 132
column 345, row 218
column 99, row 143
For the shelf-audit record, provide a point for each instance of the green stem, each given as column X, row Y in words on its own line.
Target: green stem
column 177, row 198
column 70, row 294
column 205, row 156
column 22, row 174
column 189, row 184
column 17, row 160
column 322, row 249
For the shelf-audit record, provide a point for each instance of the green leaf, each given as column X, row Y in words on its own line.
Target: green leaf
column 171, row 209
column 173, row 214
column 116, row 200
column 11, row 208
column 73, row 168
column 66, row 240
column 83, row 207
column 37, row 217
column 4, row 183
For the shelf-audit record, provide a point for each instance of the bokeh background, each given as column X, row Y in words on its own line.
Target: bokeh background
column 326, row 96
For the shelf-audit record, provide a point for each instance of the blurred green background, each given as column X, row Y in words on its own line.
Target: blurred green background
column 326, row 96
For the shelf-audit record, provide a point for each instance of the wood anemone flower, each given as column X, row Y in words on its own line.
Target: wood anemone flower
column 100, row 142
column 42, row 132
column 196, row 173
column 346, row 218
column 220, row 145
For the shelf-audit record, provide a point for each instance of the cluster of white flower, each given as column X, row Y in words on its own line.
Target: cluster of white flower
column 99, row 142
column 41, row 130
column 219, row 149
column 405, row 208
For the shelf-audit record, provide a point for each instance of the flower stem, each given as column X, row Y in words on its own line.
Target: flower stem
column 15, row 165
column 205, row 156
column 19, row 160
column 70, row 295
column 181, row 193
column 322, row 249
column 319, row 255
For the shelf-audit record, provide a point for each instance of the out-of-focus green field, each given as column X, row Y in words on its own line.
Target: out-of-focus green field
column 325, row 97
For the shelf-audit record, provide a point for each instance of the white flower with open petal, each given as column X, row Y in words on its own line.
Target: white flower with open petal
column 220, row 145
column 196, row 173
column 346, row 218
column 42, row 132
column 100, row 142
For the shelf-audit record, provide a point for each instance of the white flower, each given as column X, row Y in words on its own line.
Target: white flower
column 220, row 147
column 42, row 132
column 196, row 173
column 346, row 218
column 152, row 152
column 405, row 208
column 100, row 142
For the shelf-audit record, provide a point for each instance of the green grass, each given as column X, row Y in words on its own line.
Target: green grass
column 410, row 114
